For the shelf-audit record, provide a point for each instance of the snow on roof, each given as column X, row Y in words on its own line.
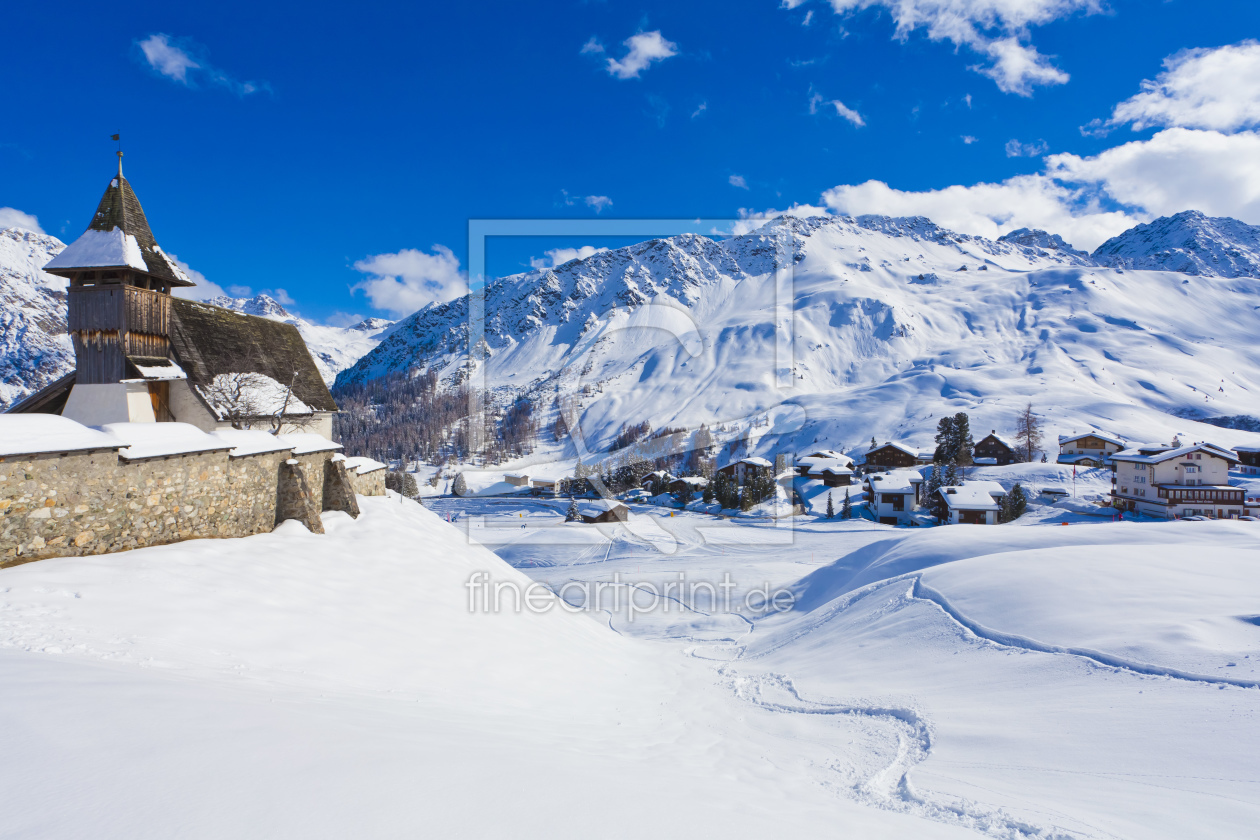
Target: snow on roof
column 304, row 443
column 363, row 465
column 897, row 481
column 251, row 442
column 168, row 371
column 1066, row 439
column 1247, row 448
column 599, row 506
column 832, row 466
column 756, row 462
column 1008, row 444
column 973, row 495
column 896, row 445
column 250, row 395
column 29, row 434
column 824, row 454
column 1157, row 453
column 154, row 440
column 693, row 480
column 104, row 248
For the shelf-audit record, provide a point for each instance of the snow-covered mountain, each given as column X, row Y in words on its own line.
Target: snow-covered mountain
column 34, row 347
column 1189, row 242
column 333, row 348
column 880, row 326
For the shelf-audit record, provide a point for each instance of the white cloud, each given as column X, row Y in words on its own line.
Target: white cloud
column 967, row 99
column 996, row 29
column 809, row 18
column 176, row 61
column 592, row 46
column 240, row 291
column 281, row 297
column 410, row 279
column 166, row 58
column 12, row 217
column 848, row 113
column 1201, row 88
column 1176, row 169
column 1014, row 148
column 560, row 256
column 204, row 290
column 1089, row 199
column 700, row 109
column 816, row 100
column 968, row 139
column 599, row 202
column 738, row 181
column 344, row 319
column 643, row 49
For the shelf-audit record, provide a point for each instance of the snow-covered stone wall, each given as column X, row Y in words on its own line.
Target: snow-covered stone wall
column 94, row 502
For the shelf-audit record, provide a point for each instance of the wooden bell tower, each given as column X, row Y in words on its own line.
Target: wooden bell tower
column 120, row 285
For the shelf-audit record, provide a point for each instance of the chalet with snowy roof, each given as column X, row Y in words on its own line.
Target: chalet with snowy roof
column 603, row 510
column 656, row 482
column 1173, row 482
column 1091, row 449
column 746, row 469
column 142, row 355
column 894, row 456
column 832, row 468
column 973, row 502
column 694, row 483
column 992, row 450
column 1249, row 458
column 892, row 497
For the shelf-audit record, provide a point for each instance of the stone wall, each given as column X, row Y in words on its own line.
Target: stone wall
column 93, row 503
column 372, row 484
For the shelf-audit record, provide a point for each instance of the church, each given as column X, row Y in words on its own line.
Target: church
column 143, row 355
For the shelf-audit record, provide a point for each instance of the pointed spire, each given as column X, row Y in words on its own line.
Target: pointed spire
column 119, row 210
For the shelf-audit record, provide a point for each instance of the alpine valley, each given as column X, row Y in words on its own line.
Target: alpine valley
column 830, row 329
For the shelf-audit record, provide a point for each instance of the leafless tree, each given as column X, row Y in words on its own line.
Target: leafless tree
column 1028, row 432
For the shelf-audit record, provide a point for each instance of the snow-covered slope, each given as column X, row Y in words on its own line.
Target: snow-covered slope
column 876, row 326
column 333, row 348
column 1188, row 242
column 34, row 347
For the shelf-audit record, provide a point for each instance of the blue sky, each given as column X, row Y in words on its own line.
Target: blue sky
column 338, row 152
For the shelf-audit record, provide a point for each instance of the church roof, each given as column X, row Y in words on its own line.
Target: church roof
column 119, row 237
column 209, row 340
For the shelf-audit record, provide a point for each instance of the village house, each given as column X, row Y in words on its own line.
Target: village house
column 1170, row 483
column 603, row 510
column 517, row 479
column 973, row 502
column 1091, row 449
column 832, row 468
column 992, row 450
column 144, row 356
column 542, row 486
column 1249, row 459
column 696, row 483
column 746, row 469
column 894, row 456
column 656, row 482
column 892, row 497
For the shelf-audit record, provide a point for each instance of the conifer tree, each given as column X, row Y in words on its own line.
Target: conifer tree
column 945, row 441
column 708, row 494
column 573, row 515
column 460, row 486
column 831, row 509
column 964, row 446
column 874, row 445
column 950, row 478
column 1017, row 502
column 846, row 509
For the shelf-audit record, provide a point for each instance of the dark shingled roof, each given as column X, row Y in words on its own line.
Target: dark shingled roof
column 119, row 208
column 209, row 340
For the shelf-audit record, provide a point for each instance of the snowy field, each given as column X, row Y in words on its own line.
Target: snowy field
column 1092, row 681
